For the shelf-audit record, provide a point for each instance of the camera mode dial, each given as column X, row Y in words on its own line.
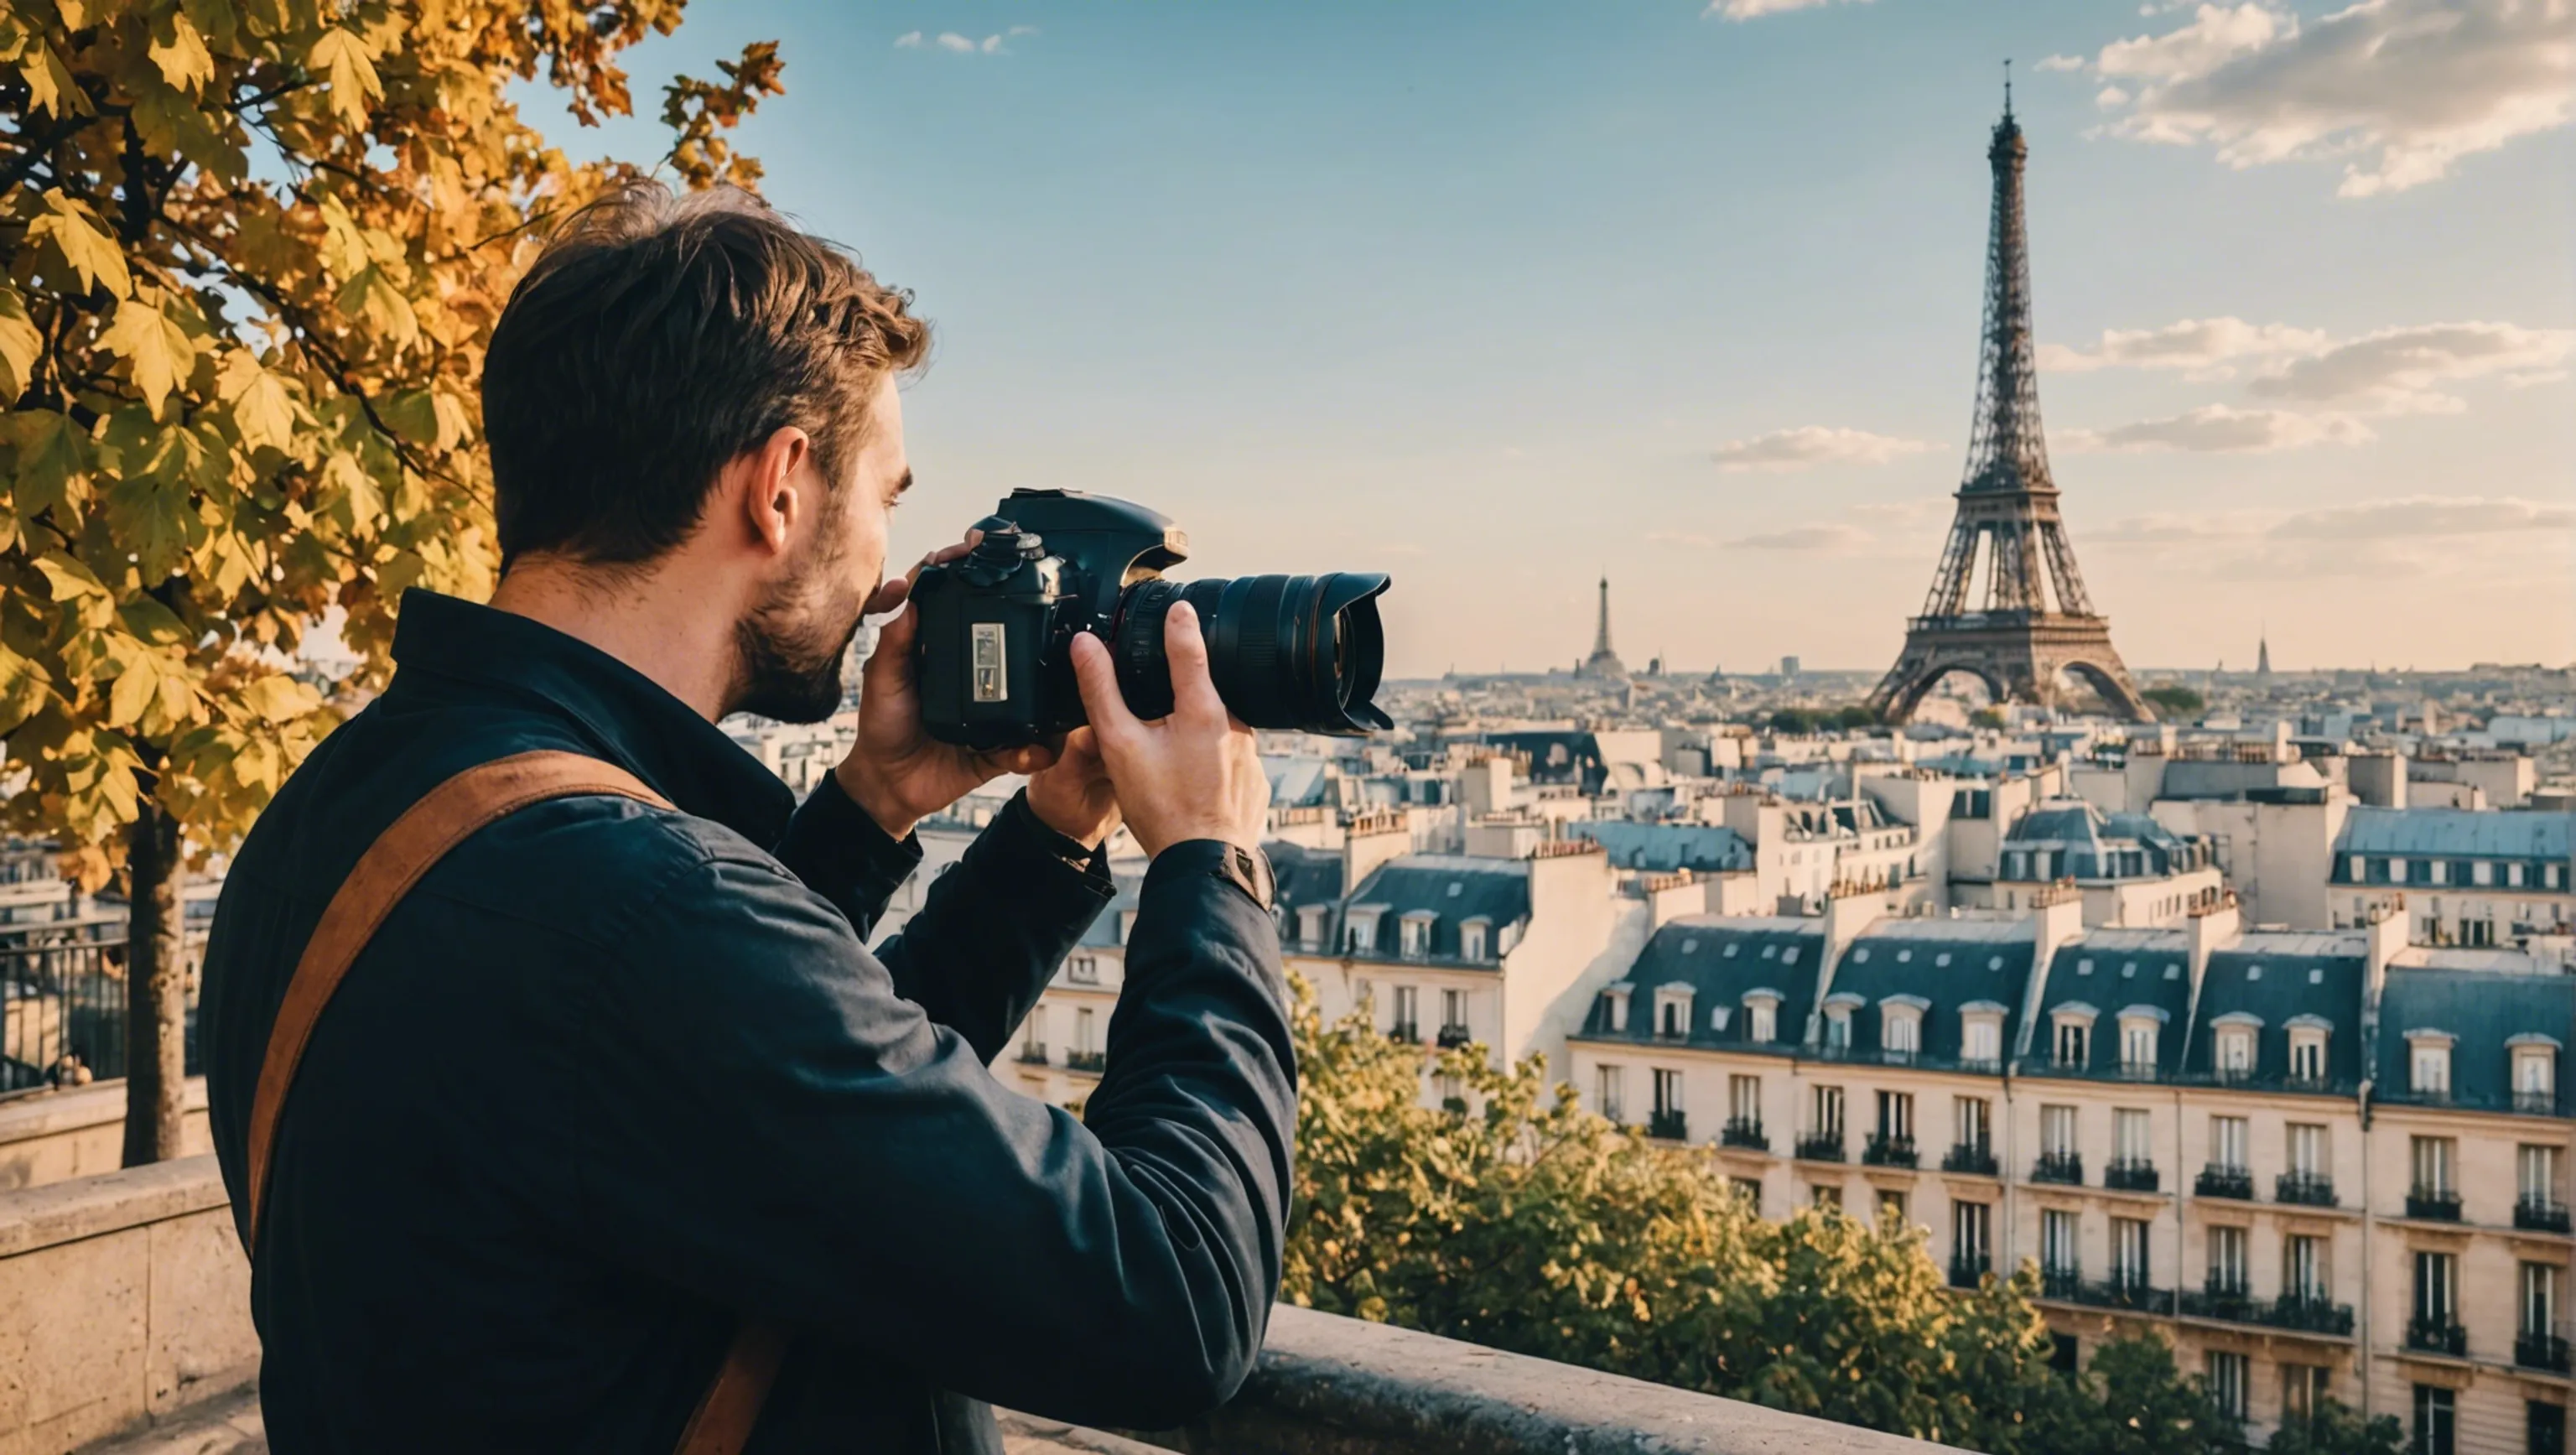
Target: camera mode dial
column 1001, row 552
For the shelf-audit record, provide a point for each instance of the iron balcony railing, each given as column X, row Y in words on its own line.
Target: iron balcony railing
column 1452, row 1037
column 2536, row 1103
column 1033, row 1053
column 2061, row 1283
column 1744, row 1132
column 2231, row 1301
column 2120, row 1290
column 2130, row 1174
column 1976, row 1157
column 2065, row 1167
column 1086, row 1060
column 1886, row 1150
column 1409, row 1032
column 2307, row 1189
column 2540, row 1349
column 63, row 1006
column 2535, row 1213
column 2437, row 1336
column 2441, row 1204
column 1820, row 1146
column 2220, row 1180
column 1967, row 1270
column 1672, row 1126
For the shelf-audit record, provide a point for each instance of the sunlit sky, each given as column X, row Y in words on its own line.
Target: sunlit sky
column 1504, row 296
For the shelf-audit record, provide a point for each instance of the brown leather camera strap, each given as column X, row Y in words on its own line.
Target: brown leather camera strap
column 725, row 1414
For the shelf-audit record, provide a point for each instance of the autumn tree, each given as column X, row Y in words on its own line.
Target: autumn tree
column 255, row 251
column 1526, row 1223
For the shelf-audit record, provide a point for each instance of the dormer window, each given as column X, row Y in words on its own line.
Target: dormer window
column 1616, row 992
column 2308, row 1035
column 1359, row 931
column 1900, row 1026
column 2233, row 1044
column 1310, row 924
column 2535, row 1072
column 1415, row 932
column 2071, row 1036
column 1838, row 1020
column 2139, row 1025
column 2428, row 1063
column 1673, row 1010
column 1472, row 938
column 1762, row 1016
column 1981, row 1032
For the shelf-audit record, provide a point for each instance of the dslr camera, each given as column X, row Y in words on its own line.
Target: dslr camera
column 995, row 639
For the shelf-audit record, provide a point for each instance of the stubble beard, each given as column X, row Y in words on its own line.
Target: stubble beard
column 788, row 653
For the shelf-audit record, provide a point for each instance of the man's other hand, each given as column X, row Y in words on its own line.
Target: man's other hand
column 1074, row 796
column 897, row 771
column 1192, row 775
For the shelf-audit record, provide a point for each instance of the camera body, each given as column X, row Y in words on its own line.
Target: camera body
column 994, row 643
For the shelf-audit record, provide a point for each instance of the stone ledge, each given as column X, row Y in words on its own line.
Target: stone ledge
column 1336, row 1386
column 52, row 1113
column 86, row 1207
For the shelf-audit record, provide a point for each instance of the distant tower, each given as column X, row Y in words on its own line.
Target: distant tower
column 1603, row 662
column 2035, row 620
column 2263, row 657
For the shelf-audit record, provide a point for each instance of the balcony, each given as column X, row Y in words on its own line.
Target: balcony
column 1885, row 1150
column 2061, row 1283
column 1744, row 1132
column 2440, row 1204
column 1091, row 1061
column 2305, row 1189
column 1975, row 1157
column 1967, row 1270
column 1670, row 1126
column 2297, row 1313
column 2120, row 1290
column 1409, row 1032
column 1820, row 1147
column 2536, row 1103
column 2540, row 1351
column 2536, row 1214
column 1033, row 1053
column 1452, row 1037
column 2437, row 1336
column 2059, row 1167
column 2130, row 1174
column 2219, row 1180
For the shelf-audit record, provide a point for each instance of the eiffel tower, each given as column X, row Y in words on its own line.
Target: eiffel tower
column 2034, row 621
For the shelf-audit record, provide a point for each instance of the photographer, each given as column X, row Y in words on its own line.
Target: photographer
column 614, row 1136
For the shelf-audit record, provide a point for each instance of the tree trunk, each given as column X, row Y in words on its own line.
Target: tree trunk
column 156, row 990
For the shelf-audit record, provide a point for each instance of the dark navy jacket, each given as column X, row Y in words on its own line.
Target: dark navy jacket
column 610, row 1075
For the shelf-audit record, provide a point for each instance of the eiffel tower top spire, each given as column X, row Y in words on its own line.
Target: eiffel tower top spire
column 1603, row 662
column 2006, row 449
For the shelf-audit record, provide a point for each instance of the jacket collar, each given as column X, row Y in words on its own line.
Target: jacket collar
column 627, row 717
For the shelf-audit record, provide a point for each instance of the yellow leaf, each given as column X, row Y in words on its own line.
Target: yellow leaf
column 343, row 59
column 372, row 296
column 135, row 688
column 363, row 500
column 152, row 621
column 261, row 409
column 68, row 579
column 279, row 699
column 180, row 52
column 23, row 689
column 215, row 18
column 53, row 462
column 84, row 246
column 49, row 85
column 20, row 345
column 158, row 354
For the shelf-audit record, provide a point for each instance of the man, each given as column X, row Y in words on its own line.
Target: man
column 612, row 1079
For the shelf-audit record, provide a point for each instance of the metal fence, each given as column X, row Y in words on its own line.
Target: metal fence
column 69, row 1001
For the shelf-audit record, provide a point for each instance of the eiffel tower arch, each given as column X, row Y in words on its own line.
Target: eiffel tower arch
column 2033, row 622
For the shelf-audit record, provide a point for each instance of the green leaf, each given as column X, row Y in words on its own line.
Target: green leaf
column 413, row 413
column 152, row 621
column 20, row 345
column 180, row 52
column 153, row 519
column 84, row 245
column 215, row 18
column 23, row 689
column 53, row 462
column 344, row 61
column 372, row 296
column 157, row 352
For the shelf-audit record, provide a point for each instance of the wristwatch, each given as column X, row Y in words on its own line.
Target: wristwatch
column 1249, row 871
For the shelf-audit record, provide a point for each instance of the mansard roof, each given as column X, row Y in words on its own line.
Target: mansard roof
column 1305, row 876
column 1664, row 847
column 2116, row 973
column 1452, row 889
column 2486, row 1013
column 1722, row 960
column 1951, row 964
column 2458, row 833
column 2288, row 980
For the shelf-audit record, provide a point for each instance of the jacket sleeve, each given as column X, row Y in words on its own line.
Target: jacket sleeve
column 991, row 931
column 765, row 1120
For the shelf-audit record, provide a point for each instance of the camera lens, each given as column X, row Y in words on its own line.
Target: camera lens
column 1299, row 653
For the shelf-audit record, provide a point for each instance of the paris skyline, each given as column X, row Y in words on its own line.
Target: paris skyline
column 1689, row 296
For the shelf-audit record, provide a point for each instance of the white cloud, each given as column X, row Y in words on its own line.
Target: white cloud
column 1756, row 9
column 2395, row 371
column 909, row 40
column 2400, row 89
column 963, row 45
column 2501, row 539
column 2425, row 517
column 1812, row 445
column 2061, row 63
column 1832, row 538
column 2216, row 428
column 2201, row 346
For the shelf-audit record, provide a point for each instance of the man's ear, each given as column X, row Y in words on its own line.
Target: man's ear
column 772, row 488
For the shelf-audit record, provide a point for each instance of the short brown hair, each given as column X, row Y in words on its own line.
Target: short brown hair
column 658, row 338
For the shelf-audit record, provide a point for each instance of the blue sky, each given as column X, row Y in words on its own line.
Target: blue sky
column 1498, row 297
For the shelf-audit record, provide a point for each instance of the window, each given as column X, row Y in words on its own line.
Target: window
column 2433, row 1160
column 1891, row 1205
column 1618, row 1005
column 2307, row 1149
column 2307, row 1053
column 1761, row 1019
column 1896, row 1115
column 2430, row 1064
column 1453, row 1010
column 2304, row 1390
column 2074, row 1038
column 1083, row 969
column 2227, row 1141
column 2235, row 1052
column 2537, row 1173
column 1974, row 1116
column 1982, row 1039
column 1900, row 1030
column 1471, row 940
column 1749, row 1189
column 2060, row 1243
column 2226, row 1381
column 2303, row 1266
column 2129, row 1130
column 1408, row 1017
column 2436, row 1421
column 2540, row 1299
column 1673, row 1010
column 2129, row 1252
column 2535, row 1074
column 2436, row 1289
column 2227, row 1260
column 1828, row 1112
column 2057, row 1130
column 1359, row 932
column 2544, row 1427
column 1310, row 925
column 1082, row 1032
column 1668, row 1092
column 2137, row 1046
column 1971, row 1233
column 1414, row 935
column 1828, row 1194
column 1610, row 1092
column 1838, row 1027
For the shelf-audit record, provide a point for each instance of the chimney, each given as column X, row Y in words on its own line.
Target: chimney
column 2211, row 925
column 1849, row 909
column 1372, row 838
column 2057, row 917
column 2383, row 926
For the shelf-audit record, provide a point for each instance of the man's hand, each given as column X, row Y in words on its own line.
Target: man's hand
column 1074, row 797
column 1193, row 775
column 897, row 772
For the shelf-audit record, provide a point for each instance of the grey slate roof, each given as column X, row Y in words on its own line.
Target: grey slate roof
column 2458, row 833
column 1304, row 876
column 2115, row 971
column 1664, row 847
column 2484, row 1011
column 1721, row 958
column 1453, row 887
column 2277, row 976
column 1947, row 963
